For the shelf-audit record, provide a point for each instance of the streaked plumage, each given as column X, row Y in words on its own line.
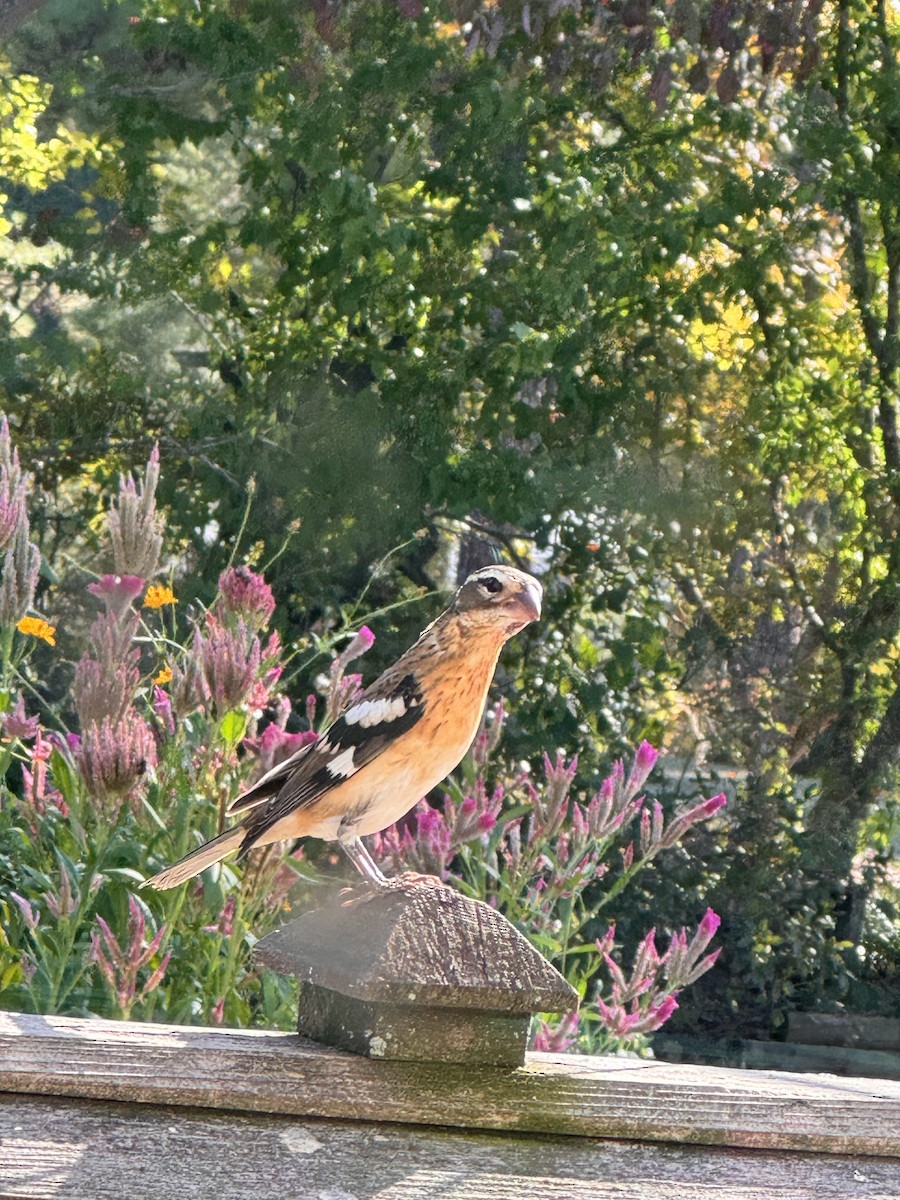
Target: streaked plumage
column 407, row 731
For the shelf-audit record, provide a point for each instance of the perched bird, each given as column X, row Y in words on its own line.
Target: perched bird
column 403, row 735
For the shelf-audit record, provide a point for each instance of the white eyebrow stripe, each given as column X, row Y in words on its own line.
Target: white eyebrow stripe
column 342, row 764
column 375, row 712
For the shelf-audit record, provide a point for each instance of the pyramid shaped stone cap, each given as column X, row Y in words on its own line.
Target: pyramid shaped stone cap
column 419, row 943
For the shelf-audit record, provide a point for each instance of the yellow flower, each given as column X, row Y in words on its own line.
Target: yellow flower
column 39, row 628
column 165, row 676
column 158, row 596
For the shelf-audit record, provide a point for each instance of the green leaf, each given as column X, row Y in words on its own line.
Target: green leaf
column 233, row 726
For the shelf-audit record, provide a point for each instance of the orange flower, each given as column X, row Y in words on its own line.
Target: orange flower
column 157, row 596
column 165, row 676
column 39, row 628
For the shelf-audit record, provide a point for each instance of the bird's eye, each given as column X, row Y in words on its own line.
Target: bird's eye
column 492, row 585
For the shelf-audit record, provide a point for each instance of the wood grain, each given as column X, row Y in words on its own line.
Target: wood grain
column 78, row 1149
column 423, row 944
column 261, row 1071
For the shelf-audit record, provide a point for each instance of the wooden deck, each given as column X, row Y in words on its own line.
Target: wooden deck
column 106, row 1109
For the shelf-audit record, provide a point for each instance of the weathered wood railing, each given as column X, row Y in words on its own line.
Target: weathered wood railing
column 305, row 1119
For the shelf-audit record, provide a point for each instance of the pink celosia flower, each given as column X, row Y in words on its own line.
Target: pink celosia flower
column 120, row 965
column 425, row 846
column 31, row 916
column 162, row 706
column 225, row 922
column 361, row 642
column 556, row 1040
column 644, row 762
column 683, row 822
column 274, row 745
column 61, row 903
column 244, row 594
column 101, row 692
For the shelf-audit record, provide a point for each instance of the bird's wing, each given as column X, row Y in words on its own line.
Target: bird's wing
column 385, row 711
column 270, row 783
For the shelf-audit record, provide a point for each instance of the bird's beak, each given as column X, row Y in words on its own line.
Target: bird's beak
column 527, row 604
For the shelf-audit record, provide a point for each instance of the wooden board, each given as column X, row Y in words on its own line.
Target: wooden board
column 781, row 1056
column 261, row 1071
column 79, row 1149
column 838, row 1029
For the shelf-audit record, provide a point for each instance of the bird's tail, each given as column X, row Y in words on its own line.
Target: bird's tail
column 198, row 860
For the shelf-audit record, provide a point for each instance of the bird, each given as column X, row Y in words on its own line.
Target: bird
column 404, row 734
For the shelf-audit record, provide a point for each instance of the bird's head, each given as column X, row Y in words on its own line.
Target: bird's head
column 500, row 598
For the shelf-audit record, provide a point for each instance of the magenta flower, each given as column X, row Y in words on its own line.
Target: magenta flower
column 556, row 1041
column 624, row 1023
column 117, row 592
column 162, row 706
column 244, row 594
column 682, row 962
column 225, row 921
column 684, row 821
column 477, row 814
column 362, row 641
column 644, row 762
column 427, row 848
column 551, row 806
column 274, row 745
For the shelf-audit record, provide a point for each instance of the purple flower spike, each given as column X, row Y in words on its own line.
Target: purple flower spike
column 558, row 1040
column 644, row 762
column 245, row 594
column 17, row 724
column 117, row 592
column 135, row 527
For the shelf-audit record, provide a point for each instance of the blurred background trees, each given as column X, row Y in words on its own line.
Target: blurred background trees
column 609, row 288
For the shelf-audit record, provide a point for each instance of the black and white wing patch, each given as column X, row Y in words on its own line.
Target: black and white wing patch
column 383, row 713
column 367, row 727
column 271, row 782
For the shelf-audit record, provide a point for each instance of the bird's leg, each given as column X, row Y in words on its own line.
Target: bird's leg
column 364, row 862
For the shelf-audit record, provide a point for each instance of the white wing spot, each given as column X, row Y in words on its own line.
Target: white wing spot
column 342, row 765
column 375, row 712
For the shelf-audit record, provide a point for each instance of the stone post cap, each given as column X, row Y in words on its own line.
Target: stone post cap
column 419, row 943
